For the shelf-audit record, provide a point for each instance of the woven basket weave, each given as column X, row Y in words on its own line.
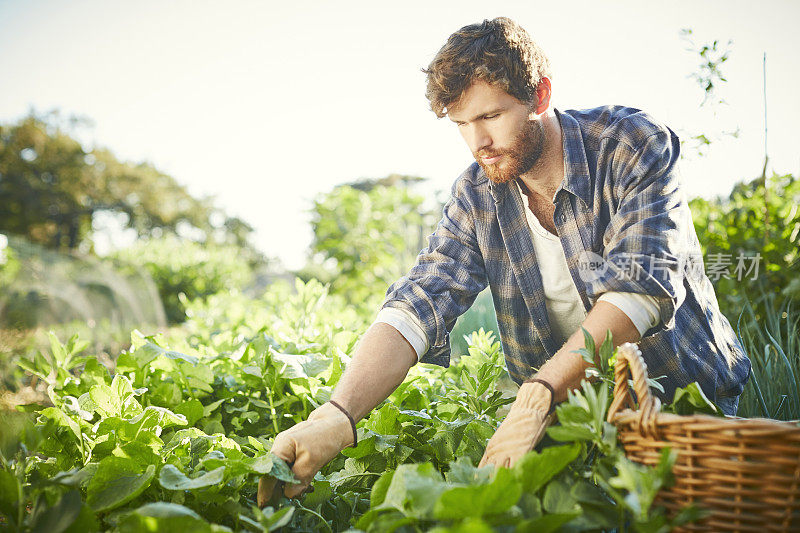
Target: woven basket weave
column 744, row 471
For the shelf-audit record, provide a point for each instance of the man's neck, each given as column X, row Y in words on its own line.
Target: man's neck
column 547, row 174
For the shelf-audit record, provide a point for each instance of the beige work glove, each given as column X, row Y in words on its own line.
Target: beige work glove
column 308, row 446
column 523, row 427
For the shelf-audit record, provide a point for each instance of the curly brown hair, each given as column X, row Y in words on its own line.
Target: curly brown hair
column 498, row 51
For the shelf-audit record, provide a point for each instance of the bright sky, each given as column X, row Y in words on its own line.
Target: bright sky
column 264, row 105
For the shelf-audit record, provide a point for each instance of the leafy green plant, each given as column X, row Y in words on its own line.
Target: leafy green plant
column 180, row 433
column 180, row 266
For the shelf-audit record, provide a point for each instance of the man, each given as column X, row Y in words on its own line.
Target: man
column 573, row 219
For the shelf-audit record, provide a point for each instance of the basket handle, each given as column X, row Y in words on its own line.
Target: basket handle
column 630, row 357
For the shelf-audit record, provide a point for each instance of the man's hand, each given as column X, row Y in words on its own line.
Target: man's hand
column 522, row 428
column 525, row 424
column 311, row 444
column 380, row 363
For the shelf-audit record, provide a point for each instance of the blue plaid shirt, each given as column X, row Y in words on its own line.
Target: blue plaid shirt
column 625, row 225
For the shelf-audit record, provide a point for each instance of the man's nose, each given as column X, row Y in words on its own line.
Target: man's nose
column 478, row 138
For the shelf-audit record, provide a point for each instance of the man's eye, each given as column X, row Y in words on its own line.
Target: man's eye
column 489, row 117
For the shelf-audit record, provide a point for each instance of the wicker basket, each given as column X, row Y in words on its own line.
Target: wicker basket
column 744, row 471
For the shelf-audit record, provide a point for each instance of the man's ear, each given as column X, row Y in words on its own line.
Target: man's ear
column 543, row 93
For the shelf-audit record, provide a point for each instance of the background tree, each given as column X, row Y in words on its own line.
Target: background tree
column 367, row 234
column 52, row 189
column 733, row 227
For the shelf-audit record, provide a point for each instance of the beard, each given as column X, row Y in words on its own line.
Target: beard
column 519, row 158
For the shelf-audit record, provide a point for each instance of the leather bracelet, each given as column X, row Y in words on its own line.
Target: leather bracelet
column 350, row 418
column 549, row 387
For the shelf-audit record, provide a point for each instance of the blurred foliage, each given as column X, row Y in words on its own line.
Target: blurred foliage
column 9, row 264
column 45, row 287
column 183, row 267
column 737, row 225
column 366, row 235
column 52, row 190
column 480, row 315
column 42, row 289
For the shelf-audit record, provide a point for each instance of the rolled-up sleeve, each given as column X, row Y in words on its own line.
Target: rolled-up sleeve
column 446, row 278
column 408, row 325
column 646, row 238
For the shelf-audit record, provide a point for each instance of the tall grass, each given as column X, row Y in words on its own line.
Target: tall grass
column 771, row 339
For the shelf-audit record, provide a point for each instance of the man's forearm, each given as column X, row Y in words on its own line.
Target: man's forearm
column 380, row 363
column 565, row 370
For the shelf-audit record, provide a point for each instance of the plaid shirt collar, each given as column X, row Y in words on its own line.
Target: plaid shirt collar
column 577, row 178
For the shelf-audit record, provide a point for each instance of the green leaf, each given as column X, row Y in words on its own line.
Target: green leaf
column 272, row 465
column 598, row 510
column 154, row 416
column 378, row 494
column 365, row 447
column 117, row 481
column 479, row 500
column 384, row 420
column 383, row 520
column 9, row 493
column 470, row 525
column 122, row 387
column 57, row 349
column 462, row 472
column 107, row 401
column 59, row 517
column 536, row 469
column 370, row 443
column 85, row 523
column 589, row 346
column 17, row 430
column 558, row 498
column 140, row 452
column 447, row 438
column 76, row 477
column 262, row 464
column 414, row 490
column 60, row 418
column 356, row 473
column 126, row 362
column 210, row 408
column 570, row 433
column 165, row 510
column 293, row 366
column 323, row 492
column 173, row 479
column 163, row 517
column 642, row 483
column 546, row 523
column 33, row 368
column 691, row 400
column 150, row 351
column 271, row 520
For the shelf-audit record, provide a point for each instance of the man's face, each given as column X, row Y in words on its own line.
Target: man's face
column 505, row 137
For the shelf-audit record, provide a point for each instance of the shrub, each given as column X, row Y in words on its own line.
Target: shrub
column 186, row 267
